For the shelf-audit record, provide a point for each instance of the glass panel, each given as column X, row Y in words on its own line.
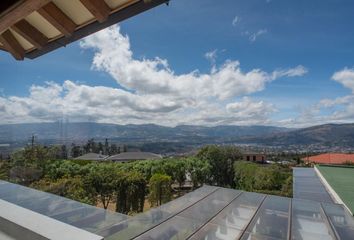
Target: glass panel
column 143, row 222
column 65, row 210
column 307, row 185
column 185, row 201
column 256, row 236
column 240, row 211
column 308, row 222
column 210, row 206
column 272, row 218
column 214, row 231
column 342, row 221
column 175, row 228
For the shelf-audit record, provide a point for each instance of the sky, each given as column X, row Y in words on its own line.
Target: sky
column 202, row 62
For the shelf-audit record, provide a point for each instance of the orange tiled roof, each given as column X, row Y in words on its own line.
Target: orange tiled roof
column 330, row 158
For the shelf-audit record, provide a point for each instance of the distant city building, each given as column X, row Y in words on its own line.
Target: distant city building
column 133, row 156
column 92, row 157
column 330, row 158
column 254, row 157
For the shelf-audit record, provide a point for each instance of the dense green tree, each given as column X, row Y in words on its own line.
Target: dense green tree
column 271, row 179
column 101, row 181
column 160, row 189
column 76, row 151
column 287, row 187
column 221, row 160
column 4, row 170
column 244, row 175
column 72, row 188
column 198, row 170
column 65, row 168
column 130, row 193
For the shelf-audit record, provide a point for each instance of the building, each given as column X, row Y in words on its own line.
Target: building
column 92, row 157
column 254, row 157
column 330, row 158
column 133, row 156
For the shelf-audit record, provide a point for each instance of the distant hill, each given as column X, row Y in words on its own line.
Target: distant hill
column 326, row 135
column 143, row 133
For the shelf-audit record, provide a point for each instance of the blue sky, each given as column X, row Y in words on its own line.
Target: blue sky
column 304, row 43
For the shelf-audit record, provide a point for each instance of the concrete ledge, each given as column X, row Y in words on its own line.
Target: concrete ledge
column 330, row 190
column 21, row 223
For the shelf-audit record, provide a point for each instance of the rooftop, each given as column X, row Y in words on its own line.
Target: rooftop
column 131, row 156
column 307, row 185
column 206, row 213
column 340, row 180
column 92, row 156
column 330, row 158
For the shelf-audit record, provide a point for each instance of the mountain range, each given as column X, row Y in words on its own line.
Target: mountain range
column 328, row 134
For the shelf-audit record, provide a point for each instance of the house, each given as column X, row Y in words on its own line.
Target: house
column 254, row 157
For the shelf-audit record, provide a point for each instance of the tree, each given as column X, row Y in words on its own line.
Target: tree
column 106, row 147
column 160, row 189
column 221, row 160
column 75, row 151
column 244, row 175
column 198, row 170
column 72, row 188
column 60, row 169
column 176, row 168
column 4, row 170
column 113, row 149
column 101, row 182
column 131, row 193
column 64, row 152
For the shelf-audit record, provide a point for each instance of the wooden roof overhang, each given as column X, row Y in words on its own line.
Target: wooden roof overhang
column 31, row 28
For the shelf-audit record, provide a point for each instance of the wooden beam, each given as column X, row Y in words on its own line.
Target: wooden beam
column 114, row 18
column 11, row 44
column 98, row 8
column 58, row 19
column 22, row 10
column 30, row 33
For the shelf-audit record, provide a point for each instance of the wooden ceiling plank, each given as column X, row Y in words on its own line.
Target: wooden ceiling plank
column 30, row 33
column 97, row 8
column 58, row 19
column 21, row 11
column 11, row 44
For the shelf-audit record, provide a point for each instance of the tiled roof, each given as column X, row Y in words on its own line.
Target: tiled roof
column 331, row 158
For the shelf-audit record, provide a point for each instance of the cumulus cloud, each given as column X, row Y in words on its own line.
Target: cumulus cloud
column 151, row 91
column 248, row 109
column 345, row 77
column 337, row 110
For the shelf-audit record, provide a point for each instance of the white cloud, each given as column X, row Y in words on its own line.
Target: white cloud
column 253, row 37
column 337, row 110
column 248, row 109
column 152, row 92
column 345, row 77
column 236, row 20
column 211, row 56
column 292, row 72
